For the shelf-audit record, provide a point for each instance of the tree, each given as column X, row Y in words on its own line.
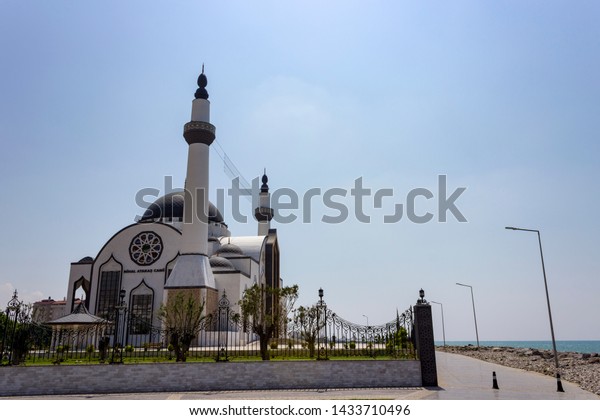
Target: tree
column 310, row 323
column 265, row 323
column 181, row 318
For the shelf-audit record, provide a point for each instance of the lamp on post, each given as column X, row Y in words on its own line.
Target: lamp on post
column 117, row 354
column 322, row 307
column 474, row 316
column 558, row 382
column 421, row 300
column 443, row 327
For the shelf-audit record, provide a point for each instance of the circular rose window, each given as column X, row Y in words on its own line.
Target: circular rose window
column 145, row 248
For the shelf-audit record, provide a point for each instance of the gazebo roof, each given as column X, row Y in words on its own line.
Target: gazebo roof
column 80, row 316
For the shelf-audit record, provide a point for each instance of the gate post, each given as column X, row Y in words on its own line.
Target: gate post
column 424, row 341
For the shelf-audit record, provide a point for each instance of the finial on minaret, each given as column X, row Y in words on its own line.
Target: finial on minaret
column 201, row 92
column 264, row 187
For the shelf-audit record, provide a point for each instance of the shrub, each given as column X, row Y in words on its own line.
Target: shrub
column 63, row 348
column 352, row 345
column 274, row 345
column 129, row 348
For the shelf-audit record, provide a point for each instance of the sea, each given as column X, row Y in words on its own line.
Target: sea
column 561, row 345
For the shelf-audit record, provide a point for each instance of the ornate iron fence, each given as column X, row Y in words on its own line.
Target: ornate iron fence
column 315, row 332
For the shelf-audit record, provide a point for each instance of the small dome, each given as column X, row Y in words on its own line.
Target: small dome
column 171, row 206
column 220, row 263
column 229, row 249
column 87, row 260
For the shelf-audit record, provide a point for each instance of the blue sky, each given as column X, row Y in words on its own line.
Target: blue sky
column 501, row 97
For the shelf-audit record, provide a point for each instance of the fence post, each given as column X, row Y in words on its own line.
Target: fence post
column 424, row 341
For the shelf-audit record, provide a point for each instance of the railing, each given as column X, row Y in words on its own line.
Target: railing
column 311, row 333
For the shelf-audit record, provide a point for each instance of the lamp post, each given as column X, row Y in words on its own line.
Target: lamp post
column 558, row 382
column 118, row 335
column 474, row 316
column 443, row 328
column 321, row 349
column 367, row 320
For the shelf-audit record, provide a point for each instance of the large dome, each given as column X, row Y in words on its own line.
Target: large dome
column 170, row 207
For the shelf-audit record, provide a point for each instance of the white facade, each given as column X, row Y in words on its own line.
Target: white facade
column 160, row 252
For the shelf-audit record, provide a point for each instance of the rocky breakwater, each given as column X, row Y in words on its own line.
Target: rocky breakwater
column 580, row 368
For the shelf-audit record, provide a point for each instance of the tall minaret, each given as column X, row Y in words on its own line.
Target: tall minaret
column 192, row 269
column 264, row 213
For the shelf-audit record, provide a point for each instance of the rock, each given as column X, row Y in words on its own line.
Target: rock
column 497, row 349
column 582, row 356
column 564, row 356
column 547, row 355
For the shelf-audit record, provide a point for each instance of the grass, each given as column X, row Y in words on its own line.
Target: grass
column 163, row 356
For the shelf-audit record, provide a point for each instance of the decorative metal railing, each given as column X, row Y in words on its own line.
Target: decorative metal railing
column 310, row 333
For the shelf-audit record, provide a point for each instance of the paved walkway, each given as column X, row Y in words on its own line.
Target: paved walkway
column 465, row 378
column 459, row 377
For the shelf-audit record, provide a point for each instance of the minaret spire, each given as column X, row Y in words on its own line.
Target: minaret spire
column 192, row 269
column 201, row 92
column 265, row 179
column 264, row 213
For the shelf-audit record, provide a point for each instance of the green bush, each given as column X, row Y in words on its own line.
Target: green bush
column 352, row 345
column 63, row 348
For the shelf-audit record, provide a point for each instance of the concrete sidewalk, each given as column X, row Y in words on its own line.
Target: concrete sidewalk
column 459, row 378
column 465, row 378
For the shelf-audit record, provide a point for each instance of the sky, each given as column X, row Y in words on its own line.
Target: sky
column 502, row 98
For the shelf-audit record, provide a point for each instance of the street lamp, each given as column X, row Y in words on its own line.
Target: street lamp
column 367, row 320
column 443, row 328
column 119, row 334
column 474, row 316
column 321, row 350
column 558, row 382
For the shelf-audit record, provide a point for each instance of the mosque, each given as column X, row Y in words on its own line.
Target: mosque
column 180, row 243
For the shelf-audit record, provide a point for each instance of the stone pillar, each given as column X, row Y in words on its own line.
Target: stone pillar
column 423, row 330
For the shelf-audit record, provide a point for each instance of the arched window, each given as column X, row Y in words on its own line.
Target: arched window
column 141, row 303
column 108, row 288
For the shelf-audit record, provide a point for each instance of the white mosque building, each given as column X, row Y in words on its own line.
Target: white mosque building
column 172, row 247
